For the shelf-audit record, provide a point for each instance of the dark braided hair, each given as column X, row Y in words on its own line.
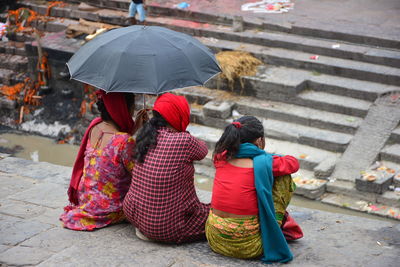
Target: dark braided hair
column 147, row 136
column 105, row 116
column 250, row 130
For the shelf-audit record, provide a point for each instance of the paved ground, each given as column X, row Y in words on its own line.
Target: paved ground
column 33, row 195
column 360, row 17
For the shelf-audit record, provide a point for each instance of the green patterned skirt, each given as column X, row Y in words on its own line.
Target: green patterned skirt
column 241, row 237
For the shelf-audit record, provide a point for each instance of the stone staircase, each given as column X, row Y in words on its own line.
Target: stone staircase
column 13, row 69
column 311, row 108
column 13, row 62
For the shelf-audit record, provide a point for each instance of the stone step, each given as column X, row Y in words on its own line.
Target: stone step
column 273, row 109
column 6, row 104
column 348, row 189
column 254, row 36
column 57, row 46
column 330, row 102
column 331, row 141
column 10, row 77
column 71, row 11
column 391, row 153
column 210, row 135
column 395, row 136
column 320, row 161
column 383, row 209
column 5, row 76
column 283, row 40
column 308, row 186
column 369, row 37
column 13, row 48
column 290, row 81
column 310, row 158
column 324, row 64
column 311, row 117
column 13, row 62
column 286, row 131
column 55, row 24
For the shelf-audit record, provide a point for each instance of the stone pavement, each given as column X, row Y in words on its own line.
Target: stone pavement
column 33, row 195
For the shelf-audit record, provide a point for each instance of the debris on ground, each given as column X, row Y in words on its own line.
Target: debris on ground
column 235, row 64
column 269, row 6
column 300, row 181
column 92, row 29
column 182, row 5
column 377, row 173
column 315, row 57
column 22, row 19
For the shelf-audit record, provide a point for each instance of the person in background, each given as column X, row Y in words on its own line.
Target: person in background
column 251, row 192
column 138, row 6
column 102, row 171
column 161, row 202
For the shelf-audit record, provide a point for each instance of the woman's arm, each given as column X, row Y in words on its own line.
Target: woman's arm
column 197, row 149
column 283, row 165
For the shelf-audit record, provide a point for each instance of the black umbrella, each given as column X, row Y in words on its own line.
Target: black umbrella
column 141, row 59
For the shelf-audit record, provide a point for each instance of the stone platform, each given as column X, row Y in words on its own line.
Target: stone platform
column 33, row 195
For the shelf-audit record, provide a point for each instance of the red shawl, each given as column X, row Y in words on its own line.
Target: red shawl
column 174, row 109
column 117, row 108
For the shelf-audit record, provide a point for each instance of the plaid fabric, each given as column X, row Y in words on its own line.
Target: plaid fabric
column 162, row 201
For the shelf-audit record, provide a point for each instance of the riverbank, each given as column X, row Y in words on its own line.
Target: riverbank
column 34, row 193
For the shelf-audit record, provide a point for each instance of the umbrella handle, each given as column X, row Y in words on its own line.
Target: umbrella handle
column 144, row 101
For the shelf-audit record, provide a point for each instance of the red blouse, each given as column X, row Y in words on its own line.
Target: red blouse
column 234, row 189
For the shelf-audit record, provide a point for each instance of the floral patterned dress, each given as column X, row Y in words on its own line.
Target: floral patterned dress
column 105, row 181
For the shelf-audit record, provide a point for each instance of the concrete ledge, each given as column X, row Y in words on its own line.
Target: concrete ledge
column 37, row 239
column 218, row 109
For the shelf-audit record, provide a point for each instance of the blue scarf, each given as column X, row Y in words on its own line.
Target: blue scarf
column 274, row 243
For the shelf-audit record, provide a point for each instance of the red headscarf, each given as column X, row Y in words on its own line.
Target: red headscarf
column 174, row 109
column 117, row 108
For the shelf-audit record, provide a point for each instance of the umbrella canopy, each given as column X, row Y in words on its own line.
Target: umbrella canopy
column 141, row 59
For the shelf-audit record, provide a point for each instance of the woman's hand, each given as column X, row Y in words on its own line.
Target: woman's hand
column 141, row 118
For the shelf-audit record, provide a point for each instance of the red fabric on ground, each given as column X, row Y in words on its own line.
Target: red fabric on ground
column 290, row 229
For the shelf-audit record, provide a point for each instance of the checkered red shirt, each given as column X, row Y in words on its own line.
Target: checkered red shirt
column 162, row 200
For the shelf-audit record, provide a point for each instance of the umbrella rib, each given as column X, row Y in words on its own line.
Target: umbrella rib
column 154, row 67
column 183, row 51
column 121, row 55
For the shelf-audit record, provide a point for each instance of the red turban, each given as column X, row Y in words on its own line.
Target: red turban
column 117, row 108
column 174, row 109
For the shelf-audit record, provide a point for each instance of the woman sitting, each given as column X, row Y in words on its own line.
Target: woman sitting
column 248, row 204
column 102, row 171
column 162, row 202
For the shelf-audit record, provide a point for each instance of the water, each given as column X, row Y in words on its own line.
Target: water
column 39, row 148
